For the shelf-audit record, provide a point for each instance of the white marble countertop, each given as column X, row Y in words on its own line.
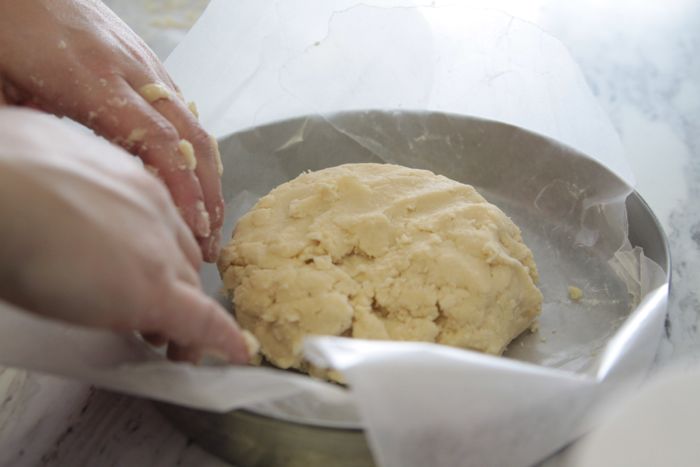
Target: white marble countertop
column 642, row 64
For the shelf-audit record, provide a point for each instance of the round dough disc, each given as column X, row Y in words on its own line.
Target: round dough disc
column 379, row 251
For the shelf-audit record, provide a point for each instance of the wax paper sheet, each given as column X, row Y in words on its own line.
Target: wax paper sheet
column 296, row 85
column 271, row 61
column 250, row 62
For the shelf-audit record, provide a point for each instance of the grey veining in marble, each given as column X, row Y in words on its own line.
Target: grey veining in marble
column 641, row 60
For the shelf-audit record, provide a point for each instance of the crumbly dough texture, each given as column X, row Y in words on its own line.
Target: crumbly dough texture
column 378, row 251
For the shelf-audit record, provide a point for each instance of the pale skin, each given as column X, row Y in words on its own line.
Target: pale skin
column 94, row 237
column 77, row 58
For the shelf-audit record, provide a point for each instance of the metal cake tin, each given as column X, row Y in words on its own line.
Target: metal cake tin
column 249, row 439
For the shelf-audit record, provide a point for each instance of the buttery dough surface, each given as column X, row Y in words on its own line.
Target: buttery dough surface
column 379, row 251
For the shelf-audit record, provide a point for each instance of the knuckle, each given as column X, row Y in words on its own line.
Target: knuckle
column 161, row 134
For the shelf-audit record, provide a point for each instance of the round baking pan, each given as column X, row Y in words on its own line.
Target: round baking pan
column 484, row 158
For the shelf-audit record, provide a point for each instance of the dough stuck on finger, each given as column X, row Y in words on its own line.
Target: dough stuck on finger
column 379, row 251
column 154, row 91
column 187, row 151
column 217, row 155
column 193, row 108
column 137, row 135
column 117, row 101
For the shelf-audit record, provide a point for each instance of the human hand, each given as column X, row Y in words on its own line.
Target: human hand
column 91, row 237
column 77, row 58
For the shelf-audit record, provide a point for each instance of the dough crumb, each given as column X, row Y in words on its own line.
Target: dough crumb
column 136, row 136
column 62, row 44
column 154, row 91
column 575, row 293
column 117, row 101
column 187, row 152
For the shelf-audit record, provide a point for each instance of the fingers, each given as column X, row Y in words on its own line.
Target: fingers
column 187, row 273
column 196, row 142
column 126, row 119
column 155, row 124
column 198, row 326
column 207, row 168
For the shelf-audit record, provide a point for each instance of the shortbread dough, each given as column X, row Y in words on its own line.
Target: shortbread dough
column 378, row 251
